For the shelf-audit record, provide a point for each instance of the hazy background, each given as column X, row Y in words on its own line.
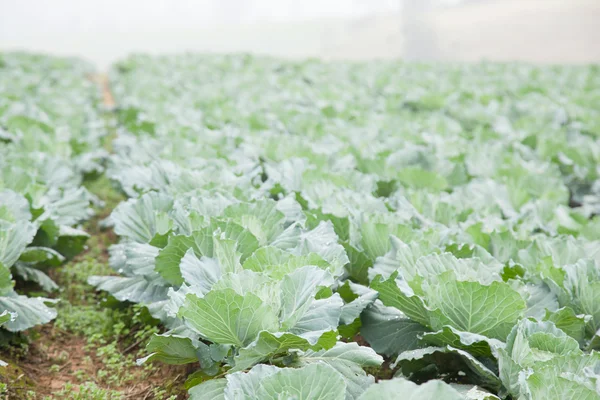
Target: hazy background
column 541, row 31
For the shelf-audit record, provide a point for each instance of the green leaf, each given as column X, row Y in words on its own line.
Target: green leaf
column 271, row 344
column 47, row 234
column 70, row 241
column 138, row 259
column 349, row 331
column 352, row 310
column 504, row 246
column 477, row 345
column 70, row 209
column 35, row 275
column 14, row 207
column 6, row 282
column 388, row 331
column 393, row 296
column 470, row 269
column 141, row 219
column 5, row 316
column 375, row 236
column 30, row 311
column 341, row 225
column 432, row 390
column 582, row 283
column 401, row 255
column 202, row 273
column 512, row 271
column 342, row 352
column 446, row 360
column 169, row 349
column 261, row 218
column 204, row 243
column 298, row 290
column 566, row 320
column 169, row 258
column 533, row 341
column 225, row 317
column 489, row 310
column 276, row 262
column 348, row 359
column 213, row 389
column 422, row 179
column 321, row 240
column 136, row 289
column 470, row 392
column 544, row 385
column 358, row 264
column 247, row 385
column 529, row 345
column 246, row 282
column 321, row 316
column 539, row 298
column 13, row 240
column 42, row 255
column 313, row 382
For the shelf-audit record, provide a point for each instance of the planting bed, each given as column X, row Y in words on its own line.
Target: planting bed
column 252, row 228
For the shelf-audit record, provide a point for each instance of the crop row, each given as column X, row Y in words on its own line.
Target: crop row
column 50, row 130
column 303, row 228
column 446, row 214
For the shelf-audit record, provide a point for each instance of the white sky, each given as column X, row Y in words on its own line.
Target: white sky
column 104, row 31
column 19, row 16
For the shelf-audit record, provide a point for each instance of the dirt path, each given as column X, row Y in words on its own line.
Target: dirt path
column 89, row 351
column 107, row 95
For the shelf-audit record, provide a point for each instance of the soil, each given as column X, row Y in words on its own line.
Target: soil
column 54, row 357
column 107, row 96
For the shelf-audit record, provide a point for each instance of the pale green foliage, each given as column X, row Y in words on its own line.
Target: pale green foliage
column 50, row 135
column 433, row 209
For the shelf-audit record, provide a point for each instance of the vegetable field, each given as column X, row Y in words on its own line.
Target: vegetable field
column 240, row 227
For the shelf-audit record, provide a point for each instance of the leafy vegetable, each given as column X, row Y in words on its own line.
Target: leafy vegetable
column 446, row 214
column 51, row 131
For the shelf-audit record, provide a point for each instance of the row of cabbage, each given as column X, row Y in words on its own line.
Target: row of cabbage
column 445, row 214
column 51, row 130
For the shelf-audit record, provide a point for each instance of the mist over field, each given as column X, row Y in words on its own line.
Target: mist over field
column 540, row 31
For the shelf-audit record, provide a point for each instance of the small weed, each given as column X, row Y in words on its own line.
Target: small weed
column 79, row 375
column 104, row 189
column 82, row 320
column 85, row 391
column 162, row 394
column 73, row 278
column 62, row 358
column 129, row 329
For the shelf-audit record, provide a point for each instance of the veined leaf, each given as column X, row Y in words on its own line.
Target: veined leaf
column 225, row 317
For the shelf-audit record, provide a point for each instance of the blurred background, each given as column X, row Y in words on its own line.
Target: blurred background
column 539, row 31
